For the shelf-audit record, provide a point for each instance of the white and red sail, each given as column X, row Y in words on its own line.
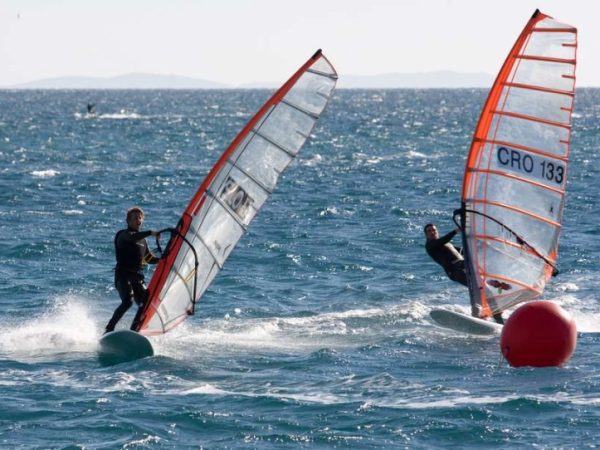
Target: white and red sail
column 232, row 193
column 516, row 172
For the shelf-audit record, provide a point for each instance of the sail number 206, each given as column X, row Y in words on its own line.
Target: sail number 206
column 236, row 198
column 532, row 165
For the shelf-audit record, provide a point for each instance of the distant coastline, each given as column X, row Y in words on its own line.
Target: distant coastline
column 437, row 79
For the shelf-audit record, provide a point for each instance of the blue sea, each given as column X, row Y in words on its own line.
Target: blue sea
column 317, row 332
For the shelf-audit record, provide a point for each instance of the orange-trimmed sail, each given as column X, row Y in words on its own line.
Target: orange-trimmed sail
column 233, row 192
column 516, row 171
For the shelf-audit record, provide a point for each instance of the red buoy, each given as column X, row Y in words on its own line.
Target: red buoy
column 538, row 334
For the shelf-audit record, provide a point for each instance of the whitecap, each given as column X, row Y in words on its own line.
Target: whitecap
column 411, row 154
column 205, row 389
column 316, row 159
column 121, row 115
column 45, row 173
column 566, row 287
column 330, row 211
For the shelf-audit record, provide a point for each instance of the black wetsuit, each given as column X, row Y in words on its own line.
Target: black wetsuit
column 132, row 254
column 448, row 256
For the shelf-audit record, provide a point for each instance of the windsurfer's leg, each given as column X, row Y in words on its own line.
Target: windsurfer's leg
column 459, row 275
column 498, row 318
column 140, row 296
column 125, row 293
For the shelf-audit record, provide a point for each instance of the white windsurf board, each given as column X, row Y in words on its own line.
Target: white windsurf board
column 464, row 323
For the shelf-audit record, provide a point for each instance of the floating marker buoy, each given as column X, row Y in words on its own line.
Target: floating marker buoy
column 538, row 334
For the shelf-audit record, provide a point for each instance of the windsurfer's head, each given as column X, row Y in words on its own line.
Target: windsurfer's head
column 431, row 231
column 135, row 218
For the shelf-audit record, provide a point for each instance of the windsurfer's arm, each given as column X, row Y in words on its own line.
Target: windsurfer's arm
column 443, row 240
column 133, row 237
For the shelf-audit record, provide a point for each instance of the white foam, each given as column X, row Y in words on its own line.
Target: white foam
column 206, row 389
column 44, row 173
column 66, row 328
column 412, row 154
column 316, row 159
column 587, row 322
column 334, row 330
column 329, row 211
column 123, row 114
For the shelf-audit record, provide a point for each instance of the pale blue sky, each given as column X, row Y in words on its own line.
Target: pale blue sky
column 241, row 41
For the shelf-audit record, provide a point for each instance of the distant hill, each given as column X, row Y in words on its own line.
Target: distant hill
column 129, row 81
column 439, row 79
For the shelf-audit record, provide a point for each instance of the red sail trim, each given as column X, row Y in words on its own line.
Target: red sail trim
column 533, row 119
column 518, row 178
column 164, row 265
column 527, row 148
column 518, row 210
column 532, row 87
column 547, row 59
column 556, row 30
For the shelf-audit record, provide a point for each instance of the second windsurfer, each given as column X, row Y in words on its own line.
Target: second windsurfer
column 450, row 258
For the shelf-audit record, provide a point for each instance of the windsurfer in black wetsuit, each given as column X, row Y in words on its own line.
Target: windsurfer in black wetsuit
column 450, row 258
column 445, row 254
column 132, row 254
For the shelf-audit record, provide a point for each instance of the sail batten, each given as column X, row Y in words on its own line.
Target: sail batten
column 517, row 210
column 546, row 59
column 323, row 74
column 539, row 88
column 517, row 178
column 533, row 119
column 258, row 182
column 276, row 144
column 232, row 193
column 515, row 175
column 299, row 108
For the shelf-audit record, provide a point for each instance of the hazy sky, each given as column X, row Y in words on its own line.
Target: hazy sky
column 240, row 41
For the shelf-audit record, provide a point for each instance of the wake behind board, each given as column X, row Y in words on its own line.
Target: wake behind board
column 464, row 323
column 123, row 345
